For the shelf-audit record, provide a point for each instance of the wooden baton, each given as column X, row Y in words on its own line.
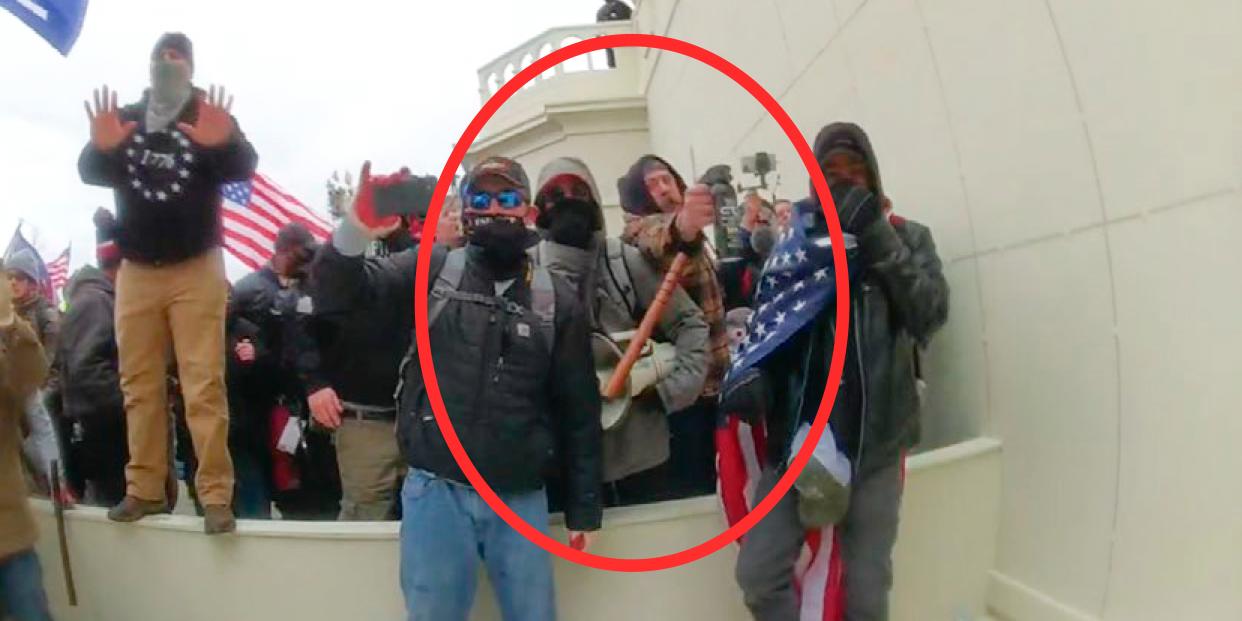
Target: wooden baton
column 617, row 382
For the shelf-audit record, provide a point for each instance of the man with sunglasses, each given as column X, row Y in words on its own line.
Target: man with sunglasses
column 617, row 286
column 511, row 350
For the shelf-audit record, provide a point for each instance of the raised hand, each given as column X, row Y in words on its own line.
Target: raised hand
column 214, row 126
column 363, row 212
column 698, row 211
column 107, row 130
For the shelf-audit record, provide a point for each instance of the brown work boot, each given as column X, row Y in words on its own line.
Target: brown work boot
column 218, row 519
column 132, row 509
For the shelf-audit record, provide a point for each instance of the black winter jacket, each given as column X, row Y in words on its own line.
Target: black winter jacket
column 86, row 359
column 517, row 417
column 359, row 351
column 899, row 302
column 286, row 354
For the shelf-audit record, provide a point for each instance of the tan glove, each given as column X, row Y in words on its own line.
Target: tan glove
column 6, row 305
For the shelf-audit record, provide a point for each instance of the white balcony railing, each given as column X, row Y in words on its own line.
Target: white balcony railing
column 503, row 68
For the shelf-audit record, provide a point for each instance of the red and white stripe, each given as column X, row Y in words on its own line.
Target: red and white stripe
column 250, row 230
column 58, row 271
column 740, row 453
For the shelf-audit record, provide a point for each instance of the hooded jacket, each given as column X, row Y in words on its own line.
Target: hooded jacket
column 901, row 299
column 87, row 362
column 655, row 235
column 615, row 300
column 167, row 187
column 36, row 310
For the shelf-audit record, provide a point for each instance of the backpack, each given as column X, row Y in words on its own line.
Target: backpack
column 616, row 264
column 445, row 283
column 448, row 280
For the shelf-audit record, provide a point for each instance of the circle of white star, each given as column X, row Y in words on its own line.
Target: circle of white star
column 136, row 180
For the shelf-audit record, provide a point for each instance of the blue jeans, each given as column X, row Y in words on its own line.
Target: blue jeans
column 446, row 527
column 21, row 589
column 252, row 496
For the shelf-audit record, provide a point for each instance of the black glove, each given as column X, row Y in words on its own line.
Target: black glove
column 750, row 397
column 857, row 207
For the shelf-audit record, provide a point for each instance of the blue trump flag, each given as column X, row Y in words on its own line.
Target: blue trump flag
column 57, row 21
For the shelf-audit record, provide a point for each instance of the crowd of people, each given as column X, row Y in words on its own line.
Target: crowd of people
column 298, row 391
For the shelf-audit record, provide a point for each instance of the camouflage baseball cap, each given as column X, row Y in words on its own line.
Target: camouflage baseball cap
column 502, row 167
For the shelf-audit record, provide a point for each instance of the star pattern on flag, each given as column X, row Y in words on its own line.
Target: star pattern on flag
column 798, row 283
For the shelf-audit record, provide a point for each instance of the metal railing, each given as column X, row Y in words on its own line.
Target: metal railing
column 504, row 67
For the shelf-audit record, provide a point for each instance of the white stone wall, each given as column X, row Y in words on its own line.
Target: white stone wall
column 1080, row 164
column 163, row 567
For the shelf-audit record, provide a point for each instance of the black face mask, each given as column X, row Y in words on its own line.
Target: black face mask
column 503, row 241
column 570, row 222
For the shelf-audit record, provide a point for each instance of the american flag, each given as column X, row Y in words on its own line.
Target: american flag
column 255, row 210
column 819, row 571
column 58, row 271
column 798, row 282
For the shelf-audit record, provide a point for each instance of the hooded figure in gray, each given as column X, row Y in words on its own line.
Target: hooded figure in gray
column 617, row 286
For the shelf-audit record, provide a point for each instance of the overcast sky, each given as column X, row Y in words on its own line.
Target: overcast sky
column 316, row 90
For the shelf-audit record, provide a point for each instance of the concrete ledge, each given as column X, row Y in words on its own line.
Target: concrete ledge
column 165, row 568
column 1015, row 601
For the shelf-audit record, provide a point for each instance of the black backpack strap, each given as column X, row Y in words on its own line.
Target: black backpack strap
column 447, row 281
column 543, row 304
column 619, row 271
column 436, row 274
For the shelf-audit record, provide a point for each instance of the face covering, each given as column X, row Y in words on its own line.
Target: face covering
column 170, row 90
column 502, row 240
column 569, row 222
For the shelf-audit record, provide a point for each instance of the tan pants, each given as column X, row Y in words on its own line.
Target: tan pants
column 371, row 465
column 176, row 309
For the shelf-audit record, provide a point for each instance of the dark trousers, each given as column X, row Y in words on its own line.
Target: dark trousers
column 102, row 453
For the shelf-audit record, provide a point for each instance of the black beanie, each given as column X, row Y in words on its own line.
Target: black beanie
column 176, row 41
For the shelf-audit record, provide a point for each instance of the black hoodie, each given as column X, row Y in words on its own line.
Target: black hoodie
column 167, row 187
column 901, row 299
column 852, row 136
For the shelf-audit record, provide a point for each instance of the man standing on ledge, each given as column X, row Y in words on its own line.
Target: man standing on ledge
column 165, row 159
